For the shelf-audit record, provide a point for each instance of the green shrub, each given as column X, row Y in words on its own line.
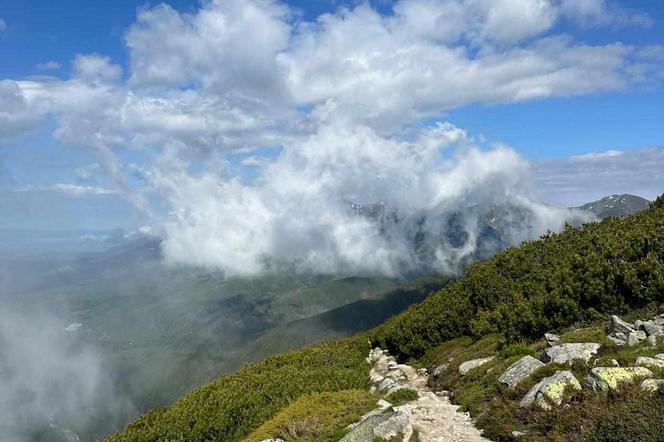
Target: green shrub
column 316, row 417
column 402, row 396
column 229, row 408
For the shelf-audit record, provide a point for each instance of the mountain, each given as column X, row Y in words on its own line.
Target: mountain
column 616, row 205
column 502, row 307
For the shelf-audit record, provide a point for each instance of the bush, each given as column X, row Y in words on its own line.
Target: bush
column 316, row 417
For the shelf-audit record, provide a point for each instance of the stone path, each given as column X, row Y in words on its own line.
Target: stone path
column 432, row 416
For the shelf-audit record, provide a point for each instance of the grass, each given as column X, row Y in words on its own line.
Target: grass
column 402, row 396
column 316, row 417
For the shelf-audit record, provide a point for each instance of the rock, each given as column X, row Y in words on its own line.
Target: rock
column 620, row 326
column 440, row 369
column 608, row 378
column 616, row 340
column 383, row 404
column 563, row 353
column 605, row 363
column 375, row 376
column 660, row 356
column 621, row 336
column 635, row 337
column 397, row 424
column 272, row 440
column 519, row 371
column 363, row 432
column 469, row 365
column 649, row 362
column 549, row 391
column 551, row 339
column 516, row 433
column 652, row 339
column 658, row 320
column 386, row 384
column 409, row 372
column 652, row 385
column 650, row 328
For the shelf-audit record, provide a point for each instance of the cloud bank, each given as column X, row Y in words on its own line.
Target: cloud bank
column 266, row 128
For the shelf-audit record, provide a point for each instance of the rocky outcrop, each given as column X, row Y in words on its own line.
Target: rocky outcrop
column 610, row 378
column 550, row 391
column 519, row 371
column 563, row 353
column 469, row 365
column 620, row 326
column 551, row 339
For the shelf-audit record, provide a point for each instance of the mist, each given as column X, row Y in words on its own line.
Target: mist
column 54, row 388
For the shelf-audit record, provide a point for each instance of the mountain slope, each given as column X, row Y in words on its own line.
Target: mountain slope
column 616, row 205
column 577, row 275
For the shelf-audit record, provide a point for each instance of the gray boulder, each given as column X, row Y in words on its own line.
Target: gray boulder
column 364, row 432
column 609, row 378
column 519, row 371
column 620, row 326
column 550, row 391
column 616, row 340
column 551, row 339
column 563, row 353
column 651, row 329
column 660, row 356
column 644, row 361
column 469, row 365
column 635, row 338
column 652, row 385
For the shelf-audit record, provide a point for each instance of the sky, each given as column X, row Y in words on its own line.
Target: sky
column 173, row 115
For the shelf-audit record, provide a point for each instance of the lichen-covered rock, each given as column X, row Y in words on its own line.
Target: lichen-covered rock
column 660, row 356
column 616, row 340
column 563, row 353
column 469, row 365
column 620, row 326
column 650, row 328
column 609, row 378
column 519, row 371
column 652, row 385
column 397, row 424
column 550, row 391
column 644, row 361
column 636, row 337
column 551, row 339
column 363, row 432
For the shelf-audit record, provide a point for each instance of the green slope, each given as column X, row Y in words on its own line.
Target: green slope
column 577, row 275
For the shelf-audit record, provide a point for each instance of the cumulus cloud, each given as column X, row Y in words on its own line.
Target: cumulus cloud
column 438, row 190
column 342, row 99
column 585, row 178
column 602, row 13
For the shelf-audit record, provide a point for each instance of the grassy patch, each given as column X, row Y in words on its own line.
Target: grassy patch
column 402, row 396
column 316, row 417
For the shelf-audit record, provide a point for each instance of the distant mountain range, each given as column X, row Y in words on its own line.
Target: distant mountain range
column 616, row 205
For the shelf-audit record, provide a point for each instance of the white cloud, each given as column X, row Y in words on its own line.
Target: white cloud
column 344, row 97
column 585, row 178
column 50, row 65
column 68, row 189
column 602, row 13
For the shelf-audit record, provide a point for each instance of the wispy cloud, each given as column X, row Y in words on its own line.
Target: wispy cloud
column 50, row 65
column 68, row 189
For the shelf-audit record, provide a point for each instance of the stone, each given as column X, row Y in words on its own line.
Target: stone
column 615, row 340
column 658, row 320
column 363, row 432
column 652, row 339
column 469, row 365
column 636, row 337
column 620, row 326
column 409, row 372
column 550, row 391
column 397, row 424
column 651, row 329
column 621, row 336
column 386, row 384
column 644, row 361
column 652, row 385
column 563, row 353
column 660, row 356
column 519, row 371
column 609, row 378
column 440, row 369
column 272, row 440
column 551, row 339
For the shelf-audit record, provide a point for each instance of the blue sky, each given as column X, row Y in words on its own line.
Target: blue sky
column 40, row 38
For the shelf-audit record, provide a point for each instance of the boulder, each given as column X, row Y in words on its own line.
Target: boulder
column 550, row 391
column 469, row 365
column 563, row 353
column 658, row 320
column 616, row 340
column 635, row 338
column 609, row 378
column 520, row 370
column 652, row 385
column 364, row 431
column 397, row 424
column 660, row 356
column 620, row 326
column 551, row 339
column 644, row 361
column 651, row 329
column 438, row 370
column 272, row 440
